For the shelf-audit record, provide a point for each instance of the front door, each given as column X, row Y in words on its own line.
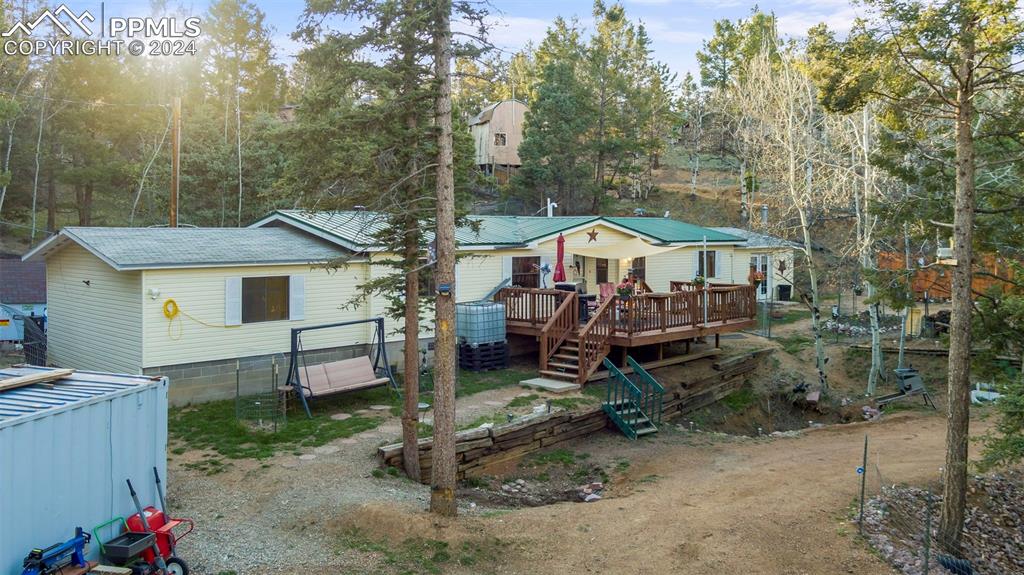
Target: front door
column 763, row 264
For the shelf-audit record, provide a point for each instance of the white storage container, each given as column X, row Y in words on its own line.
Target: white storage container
column 66, row 448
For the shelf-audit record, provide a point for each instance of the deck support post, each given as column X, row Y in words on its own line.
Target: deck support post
column 661, row 351
column 688, row 346
column 716, row 339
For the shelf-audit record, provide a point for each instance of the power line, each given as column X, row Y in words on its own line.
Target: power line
column 16, row 96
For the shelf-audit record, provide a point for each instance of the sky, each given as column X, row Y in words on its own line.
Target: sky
column 677, row 27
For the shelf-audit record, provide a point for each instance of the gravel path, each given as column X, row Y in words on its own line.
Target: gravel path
column 274, row 513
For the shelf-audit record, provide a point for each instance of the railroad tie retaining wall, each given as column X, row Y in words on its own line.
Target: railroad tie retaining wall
column 481, row 449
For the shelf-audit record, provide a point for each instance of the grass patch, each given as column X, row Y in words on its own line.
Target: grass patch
column 791, row 316
column 561, row 455
column 571, row 403
column 494, row 418
column 421, row 556
column 792, row 344
column 739, row 400
column 471, row 382
column 213, row 426
column 524, row 400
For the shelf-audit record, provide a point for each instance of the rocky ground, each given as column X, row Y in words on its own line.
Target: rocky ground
column 993, row 541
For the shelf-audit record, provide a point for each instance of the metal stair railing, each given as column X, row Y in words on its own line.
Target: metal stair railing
column 623, row 401
column 652, row 393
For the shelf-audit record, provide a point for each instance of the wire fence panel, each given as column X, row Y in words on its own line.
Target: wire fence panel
column 262, row 407
column 901, row 522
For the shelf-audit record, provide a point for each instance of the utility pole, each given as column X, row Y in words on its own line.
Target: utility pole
column 172, row 222
column 238, row 142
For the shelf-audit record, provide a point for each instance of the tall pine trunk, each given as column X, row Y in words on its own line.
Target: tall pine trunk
column 411, row 350
column 954, row 474
column 412, row 235
column 443, row 473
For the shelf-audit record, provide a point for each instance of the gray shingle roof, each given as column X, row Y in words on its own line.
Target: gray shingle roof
column 22, row 282
column 156, row 248
column 756, row 240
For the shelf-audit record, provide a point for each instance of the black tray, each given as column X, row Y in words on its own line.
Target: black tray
column 127, row 545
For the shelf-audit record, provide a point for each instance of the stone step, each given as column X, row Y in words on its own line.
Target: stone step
column 550, row 385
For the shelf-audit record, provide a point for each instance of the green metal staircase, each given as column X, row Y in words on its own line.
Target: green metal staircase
column 633, row 403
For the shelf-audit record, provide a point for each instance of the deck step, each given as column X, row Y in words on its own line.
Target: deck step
column 567, row 356
column 565, row 366
column 569, row 348
column 558, row 374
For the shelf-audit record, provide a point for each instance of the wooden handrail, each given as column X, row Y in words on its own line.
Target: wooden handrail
column 530, row 305
column 556, row 330
column 594, row 339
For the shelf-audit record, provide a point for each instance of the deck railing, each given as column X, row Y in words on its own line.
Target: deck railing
column 550, row 310
column 562, row 323
column 594, row 339
column 531, row 305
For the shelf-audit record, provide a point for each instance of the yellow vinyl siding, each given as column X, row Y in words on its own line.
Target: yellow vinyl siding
column 96, row 326
column 478, row 274
column 741, row 264
column 680, row 265
column 197, row 334
column 581, row 239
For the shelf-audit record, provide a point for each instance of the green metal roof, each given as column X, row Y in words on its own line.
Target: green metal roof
column 672, row 231
column 356, row 229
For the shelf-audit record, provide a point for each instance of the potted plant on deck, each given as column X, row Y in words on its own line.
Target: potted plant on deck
column 624, row 290
column 699, row 282
column 756, row 278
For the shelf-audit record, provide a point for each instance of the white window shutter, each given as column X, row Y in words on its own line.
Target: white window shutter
column 506, row 268
column 714, row 272
column 297, row 297
column 233, row 301
column 696, row 264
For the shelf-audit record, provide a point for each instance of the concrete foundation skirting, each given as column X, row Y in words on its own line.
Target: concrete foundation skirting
column 212, row 380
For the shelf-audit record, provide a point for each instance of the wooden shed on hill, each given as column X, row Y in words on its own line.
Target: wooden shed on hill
column 497, row 132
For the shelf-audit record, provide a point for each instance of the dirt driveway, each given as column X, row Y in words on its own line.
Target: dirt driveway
column 775, row 507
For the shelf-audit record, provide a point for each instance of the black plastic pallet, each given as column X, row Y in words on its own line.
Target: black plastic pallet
column 483, row 357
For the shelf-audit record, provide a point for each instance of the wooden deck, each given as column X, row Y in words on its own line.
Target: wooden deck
column 575, row 348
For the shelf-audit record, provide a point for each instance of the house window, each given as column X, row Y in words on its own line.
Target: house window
column 264, row 299
column 526, row 271
column 710, row 260
column 640, row 268
column 500, row 139
column 602, row 271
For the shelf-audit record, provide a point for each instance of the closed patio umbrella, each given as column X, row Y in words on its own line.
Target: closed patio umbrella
column 559, row 256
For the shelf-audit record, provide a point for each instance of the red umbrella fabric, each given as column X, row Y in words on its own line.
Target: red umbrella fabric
column 559, row 256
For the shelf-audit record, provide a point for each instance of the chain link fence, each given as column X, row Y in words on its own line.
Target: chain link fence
column 901, row 522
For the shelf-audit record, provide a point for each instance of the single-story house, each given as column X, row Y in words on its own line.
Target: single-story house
column 771, row 256
column 22, row 294
column 188, row 303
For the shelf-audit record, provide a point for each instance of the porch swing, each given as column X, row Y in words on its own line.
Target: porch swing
column 314, row 380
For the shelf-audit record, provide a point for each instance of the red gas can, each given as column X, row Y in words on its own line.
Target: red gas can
column 157, row 524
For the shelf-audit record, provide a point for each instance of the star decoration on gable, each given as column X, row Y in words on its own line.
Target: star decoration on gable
column 593, row 235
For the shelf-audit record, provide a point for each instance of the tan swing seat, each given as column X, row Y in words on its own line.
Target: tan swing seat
column 339, row 376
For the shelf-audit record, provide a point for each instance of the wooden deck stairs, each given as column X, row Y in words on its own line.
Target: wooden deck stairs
column 633, row 402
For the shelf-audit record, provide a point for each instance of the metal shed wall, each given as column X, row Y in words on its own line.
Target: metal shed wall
column 65, row 466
